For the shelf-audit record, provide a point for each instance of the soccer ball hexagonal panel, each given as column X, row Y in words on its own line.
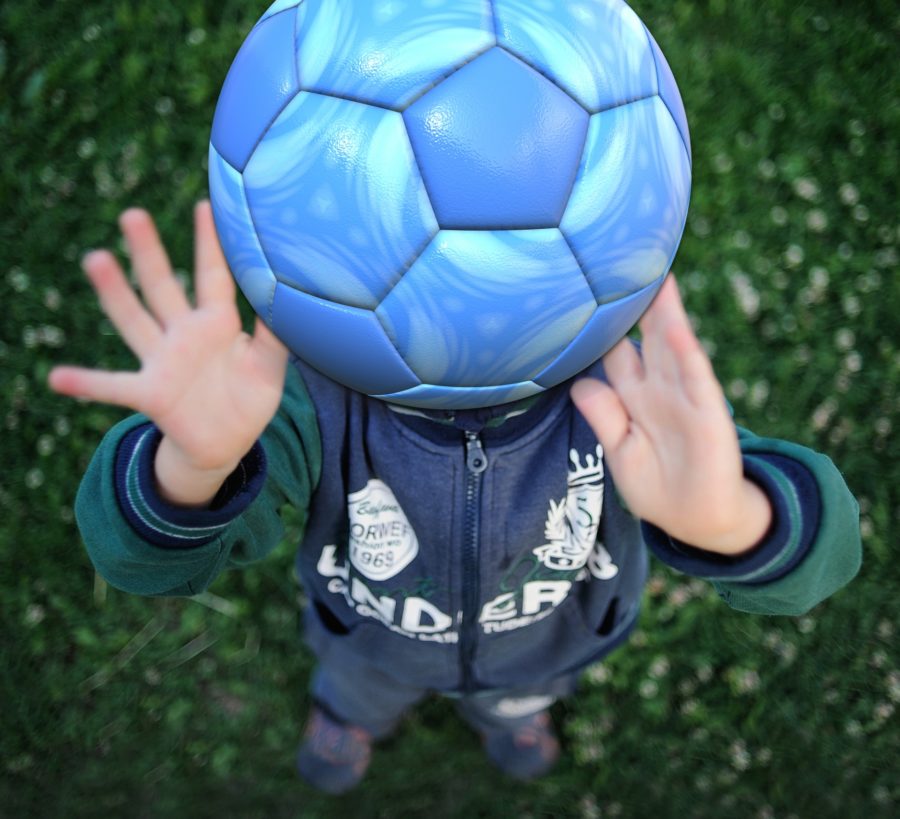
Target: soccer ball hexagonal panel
column 337, row 199
column 261, row 81
column 388, row 52
column 485, row 308
column 237, row 235
column 497, row 160
column 334, row 337
column 598, row 51
column 629, row 203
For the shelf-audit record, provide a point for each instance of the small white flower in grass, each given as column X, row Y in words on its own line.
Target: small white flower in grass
column 788, row 653
column 704, row 673
column 45, row 445
column 52, row 298
column 885, row 629
column 776, row 112
column 700, row 227
column 851, row 305
column 759, row 394
column 687, row 687
column 845, row 251
column 806, row 625
column 741, row 239
column 844, row 339
column 703, row 783
column 868, row 282
column 656, row 585
column 830, row 697
column 853, row 361
column 861, row 213
column 689, row 707
column 823, row 413
column 18, row 279
column 882, row 427
column 881, row 795
column 857, row 147
column 723, row 163
column 744, row 680
column 779, row 215
column 886, row 257
column 709, row 347
column 588, row 807
column 794, row 256
column 598, row 674
column 764, row 756
column 91, row 33
column 86, row 148
column 34, row 614
column 34, row 478
column 816, row 220
column 695, row 281
column 740, row 758
column 745, row 293
column 806, row 188
column 866, row 527
column 882, row 712
column 648, row 689
column 852, row 728
column 737, row 389
column 886, row 234
column 878, row 659
column 659, row 668
column 893, row 685
column 164, row 106
column 856, row 128
column 196, row 36
column 765, row 812
column 766, row 168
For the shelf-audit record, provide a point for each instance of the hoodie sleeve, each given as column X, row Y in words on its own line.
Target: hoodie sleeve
column 143, row 545
column 812, row 547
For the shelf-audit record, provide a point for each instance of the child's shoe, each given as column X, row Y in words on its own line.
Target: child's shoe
column 527, row 752
column 333, row 757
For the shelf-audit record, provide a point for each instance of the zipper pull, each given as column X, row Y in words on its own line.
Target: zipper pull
column 476, row 460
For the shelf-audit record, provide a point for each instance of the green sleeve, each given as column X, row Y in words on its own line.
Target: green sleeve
column 185, row 550
column 834, row 554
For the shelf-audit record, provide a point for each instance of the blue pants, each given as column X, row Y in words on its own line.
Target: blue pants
column 376, row 702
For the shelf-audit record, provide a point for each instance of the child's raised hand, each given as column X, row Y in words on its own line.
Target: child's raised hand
column 668, row 438
column 210, row 387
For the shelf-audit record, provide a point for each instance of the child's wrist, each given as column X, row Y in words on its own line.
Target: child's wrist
column 181, row 484
column 750, row 530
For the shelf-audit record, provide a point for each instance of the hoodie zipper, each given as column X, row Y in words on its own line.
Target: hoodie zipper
column 476, row 463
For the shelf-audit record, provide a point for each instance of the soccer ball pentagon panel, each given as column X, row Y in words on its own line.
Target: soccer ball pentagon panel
column 450, row 203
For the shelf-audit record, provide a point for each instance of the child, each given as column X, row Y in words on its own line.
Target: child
column 486, row 554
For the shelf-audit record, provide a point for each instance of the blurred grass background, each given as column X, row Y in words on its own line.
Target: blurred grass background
column 115, row 705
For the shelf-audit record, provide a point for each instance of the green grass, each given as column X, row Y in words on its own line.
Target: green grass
column 115, row 705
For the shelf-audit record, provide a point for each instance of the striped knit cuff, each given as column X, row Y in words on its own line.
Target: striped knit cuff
column 793, row 493
column 170, row 526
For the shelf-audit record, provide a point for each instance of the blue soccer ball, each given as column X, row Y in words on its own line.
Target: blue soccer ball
column 450, row 203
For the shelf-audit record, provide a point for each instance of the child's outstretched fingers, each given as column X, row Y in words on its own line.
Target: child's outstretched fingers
column 603, row 410
column 214, row 281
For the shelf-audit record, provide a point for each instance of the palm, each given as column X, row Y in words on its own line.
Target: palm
column 210, row 387
column 667, row 435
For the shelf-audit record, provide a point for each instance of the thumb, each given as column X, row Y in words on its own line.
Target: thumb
column 603, row 410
